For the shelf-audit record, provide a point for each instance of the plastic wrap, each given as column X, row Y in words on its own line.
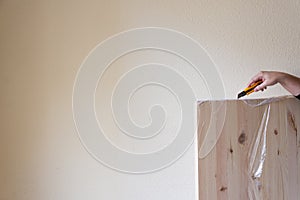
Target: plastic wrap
column 248, row 149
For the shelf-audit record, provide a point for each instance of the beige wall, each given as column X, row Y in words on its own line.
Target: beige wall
column 42, row 44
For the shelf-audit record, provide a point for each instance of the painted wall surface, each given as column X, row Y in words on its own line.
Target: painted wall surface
column 42, row 45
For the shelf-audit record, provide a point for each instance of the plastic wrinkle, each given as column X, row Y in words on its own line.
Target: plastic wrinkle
column 258, row 156
column 265, row 101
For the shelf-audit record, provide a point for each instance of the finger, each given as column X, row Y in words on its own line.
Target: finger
column 257, row 77
column 261, row 87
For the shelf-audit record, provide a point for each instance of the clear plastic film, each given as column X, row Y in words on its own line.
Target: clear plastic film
column 257, row 156
column 248, row 149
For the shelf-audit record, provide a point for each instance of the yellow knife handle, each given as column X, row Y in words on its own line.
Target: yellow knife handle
column 250, row 89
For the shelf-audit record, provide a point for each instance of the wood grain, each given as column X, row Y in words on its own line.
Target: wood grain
column 256, row 155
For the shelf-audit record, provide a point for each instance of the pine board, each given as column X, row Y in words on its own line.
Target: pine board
column 236, row 166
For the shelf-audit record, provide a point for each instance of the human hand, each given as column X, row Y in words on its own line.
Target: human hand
column 268, row 78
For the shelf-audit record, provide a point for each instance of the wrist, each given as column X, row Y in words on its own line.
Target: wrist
column 281, row 77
